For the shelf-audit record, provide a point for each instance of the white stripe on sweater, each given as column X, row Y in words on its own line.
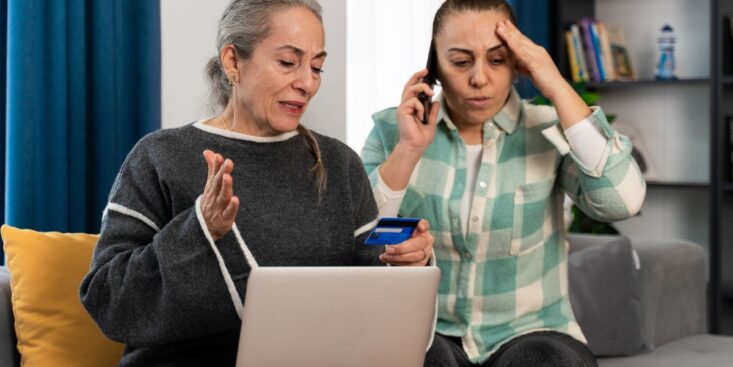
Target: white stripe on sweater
column 234, row 135
column 131, row 213
column 238, row 306
column 365, row 228
column 247, row 253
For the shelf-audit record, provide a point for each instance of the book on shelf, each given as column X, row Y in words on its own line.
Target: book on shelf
column 620, row 53
column 597, row 51
column 589, row 48
column 578, row 54
column 606, row 58
column 572, row 58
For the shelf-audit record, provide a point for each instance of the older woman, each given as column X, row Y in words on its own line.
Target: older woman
column 489, row 172
column 181, row 231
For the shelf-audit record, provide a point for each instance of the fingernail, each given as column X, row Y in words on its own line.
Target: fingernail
column 390, row 250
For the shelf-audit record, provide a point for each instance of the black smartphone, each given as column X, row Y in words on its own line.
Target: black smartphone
column 430, row 80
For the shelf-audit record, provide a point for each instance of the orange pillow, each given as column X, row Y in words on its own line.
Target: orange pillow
column 53, row 328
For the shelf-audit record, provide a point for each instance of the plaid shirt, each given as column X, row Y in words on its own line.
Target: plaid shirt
column 508, row 275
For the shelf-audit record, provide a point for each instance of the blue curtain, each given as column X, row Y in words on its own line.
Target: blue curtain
column 3, row 64
column 533, row 18
column 3, row 58
column 83, row 85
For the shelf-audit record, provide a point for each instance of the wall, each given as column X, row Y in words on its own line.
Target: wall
column 188, row 40
column 673, row 121
column 188, row 37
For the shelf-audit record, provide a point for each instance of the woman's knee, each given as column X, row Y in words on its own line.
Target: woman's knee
column 440, row 353
column 544, row 349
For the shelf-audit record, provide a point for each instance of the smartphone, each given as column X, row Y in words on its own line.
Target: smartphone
column 392, row 231
column 430, row 80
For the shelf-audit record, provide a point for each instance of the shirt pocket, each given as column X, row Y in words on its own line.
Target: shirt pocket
column 531, row 205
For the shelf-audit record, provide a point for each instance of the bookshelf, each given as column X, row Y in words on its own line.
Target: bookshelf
column 648, row 83
column 722, row 167
column 682, row 121
column 678, row 185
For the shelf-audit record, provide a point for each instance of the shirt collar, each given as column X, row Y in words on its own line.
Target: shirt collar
column 507, row 119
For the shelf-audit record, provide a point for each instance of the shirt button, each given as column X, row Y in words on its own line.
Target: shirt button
column 482, row 184
column 491, row 124
column 475, row 218
column 467, row 255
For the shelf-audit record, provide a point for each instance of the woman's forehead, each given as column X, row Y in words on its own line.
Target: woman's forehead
column 470, row 30
column 296, row 26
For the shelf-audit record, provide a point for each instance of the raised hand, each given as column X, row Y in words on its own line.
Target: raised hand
column 532, row 60
column 218, row 204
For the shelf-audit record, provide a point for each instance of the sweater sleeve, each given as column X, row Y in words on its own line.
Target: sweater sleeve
column 365, row 215
column 154, row 278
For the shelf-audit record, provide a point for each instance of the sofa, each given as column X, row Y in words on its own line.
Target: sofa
column 671, row 284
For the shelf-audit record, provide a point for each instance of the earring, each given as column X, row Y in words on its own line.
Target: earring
column 232, row 82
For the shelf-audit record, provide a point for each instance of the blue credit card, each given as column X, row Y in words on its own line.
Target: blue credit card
column 392, row 231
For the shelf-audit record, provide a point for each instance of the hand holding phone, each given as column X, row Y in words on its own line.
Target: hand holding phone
column 430, row 79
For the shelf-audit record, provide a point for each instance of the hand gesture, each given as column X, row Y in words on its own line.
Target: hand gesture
column 416, row 251
column 532, row 60
column 413, row 133
column 218, row 204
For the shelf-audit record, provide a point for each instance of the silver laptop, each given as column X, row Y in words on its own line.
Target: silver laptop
column 338, row 316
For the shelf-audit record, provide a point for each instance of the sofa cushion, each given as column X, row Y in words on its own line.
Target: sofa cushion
column 606, row 299
column 698, row 351
column 52, row 327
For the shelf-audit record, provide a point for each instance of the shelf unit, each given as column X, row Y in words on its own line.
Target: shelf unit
column 678, row 185
column 648, row 83
column 721, row 308
column 709, row 193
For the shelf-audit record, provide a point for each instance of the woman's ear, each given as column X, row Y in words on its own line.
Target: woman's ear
column 230, row 62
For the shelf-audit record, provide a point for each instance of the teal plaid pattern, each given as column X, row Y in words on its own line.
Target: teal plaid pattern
column 508, row 275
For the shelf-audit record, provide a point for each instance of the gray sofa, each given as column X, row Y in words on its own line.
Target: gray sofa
column 672, row 285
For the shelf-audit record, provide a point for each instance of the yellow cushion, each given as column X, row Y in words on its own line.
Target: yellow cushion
column 53, row 329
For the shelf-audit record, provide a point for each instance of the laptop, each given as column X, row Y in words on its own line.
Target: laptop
column 338, row 316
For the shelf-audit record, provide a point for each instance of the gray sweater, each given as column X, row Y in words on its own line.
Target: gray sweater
column 158, row 285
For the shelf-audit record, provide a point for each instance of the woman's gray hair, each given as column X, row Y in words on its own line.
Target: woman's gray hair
column 245, row 24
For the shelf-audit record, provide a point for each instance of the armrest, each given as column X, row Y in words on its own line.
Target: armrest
column 8, row 350
column 672, row 284
column 672, row 280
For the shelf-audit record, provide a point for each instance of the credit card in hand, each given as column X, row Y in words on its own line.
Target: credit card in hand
column 392, row 231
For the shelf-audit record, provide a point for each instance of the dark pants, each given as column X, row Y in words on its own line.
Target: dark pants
column 544, row 348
